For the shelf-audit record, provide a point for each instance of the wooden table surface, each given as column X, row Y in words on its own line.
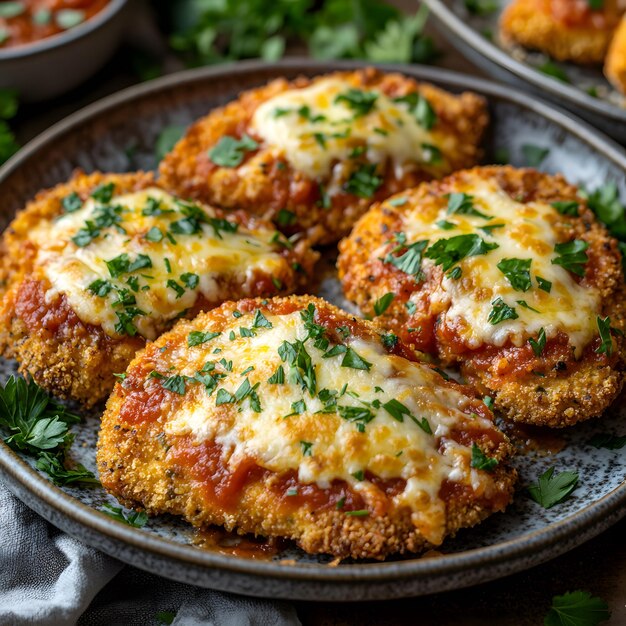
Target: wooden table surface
column 598, row 566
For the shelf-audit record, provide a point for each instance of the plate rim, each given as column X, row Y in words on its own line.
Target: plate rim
column 579, row 526
column 453, row 24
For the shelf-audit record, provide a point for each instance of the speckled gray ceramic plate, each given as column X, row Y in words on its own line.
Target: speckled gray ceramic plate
column 477, row 37
column 119, row 133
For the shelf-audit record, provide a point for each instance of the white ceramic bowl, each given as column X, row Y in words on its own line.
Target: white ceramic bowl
column 56, row 64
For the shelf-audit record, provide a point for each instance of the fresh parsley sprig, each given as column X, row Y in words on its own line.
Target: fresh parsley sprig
column 577, row 608
column 551, row 488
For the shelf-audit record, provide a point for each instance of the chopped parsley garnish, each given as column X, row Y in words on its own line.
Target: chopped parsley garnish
column 302, row 369
column 389, row 340
column 103, row 193
column 230, row 152
column 549, row 68
column 260, row 321
column 410, row 260
column 72, row 202
column 577, row 608
column 123, row 265
column 360, row 475
column 448, row 252
column 223, row 397
column 190, row 280
column 285, row 218
column 197, row 337
column 136, row 519
column 278, row 377
column 358, row 414
column 501, row 312
column 154, row 234
column 179, row 289
column 481, row 461
column 359, row 513
column 60, row 475
column 175, row 384
column 363, row 182
column 431, row 154
column 306, row 448
column 100, row 287
column 604, row 328
column 420, row 108
column 445, row 225
column 383, row 303
column 397, row 201
column 297, row 408
column 517, row 272
column 538, row 344
column 525, row 305
column 544, row 284
column 463, row 204
column 481, row 7
column 572, row 256
column 360, row 102
column 534, row 155
column 355, row 361
column 566, row 207
column 411, row 307
column 553, row 488
column 608, row 441
column 397, row 410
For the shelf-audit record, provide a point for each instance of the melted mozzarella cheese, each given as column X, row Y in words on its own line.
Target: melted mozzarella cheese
column 215, row 259
column 329, row 130
column 528, row 233
column 291, row 419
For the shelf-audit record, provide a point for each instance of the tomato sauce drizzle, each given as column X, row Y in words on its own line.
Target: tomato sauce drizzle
column 40, row 19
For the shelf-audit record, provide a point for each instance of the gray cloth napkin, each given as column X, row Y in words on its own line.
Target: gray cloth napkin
column 48, row 577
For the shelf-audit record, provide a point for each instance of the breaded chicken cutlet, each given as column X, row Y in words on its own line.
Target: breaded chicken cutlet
column 615, row 62
column 93, row 268
column 506, row 273
column 567, row 30
column 314, row 153
column 290, row 418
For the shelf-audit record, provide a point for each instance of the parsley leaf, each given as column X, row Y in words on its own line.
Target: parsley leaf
column 389, row 340
column 517, row 272
column 60, row 475
column 543, row 284
column 355, row 361
column 363, row 182
column 410, row 260
column 230, row 152
column 572, row 256
column 103, row 193
column 197, row 337
column 608, row 441
column 566, row 207
column 501, row 312
column 463, row 204
column 136, row 519
column 577, row 608
column 605, row 203
column 360, row 102
column 306, row 448
column 539, row 344
column 481, row 461
column 383, row 303
column 549, row 68
column 448, row 252
column 167, row 139
column 551, row 489
column 534, row 155
column 420, row 108
column 260, row 321
column 397, row 410
column 604, row 328
column 278, row 377
column 72, row 202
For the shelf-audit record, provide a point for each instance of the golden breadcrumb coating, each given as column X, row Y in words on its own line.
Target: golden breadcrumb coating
column 615, row 62
column 147, row 462
column 38, row 327
column 564, row 29
column 265, row 183
column 552, row 388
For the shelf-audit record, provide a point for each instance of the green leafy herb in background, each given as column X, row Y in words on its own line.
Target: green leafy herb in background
column 577, row 608
column 137, row 519
column 212, row 32
column 8, row 109
column 33, row 423
column 551, row 488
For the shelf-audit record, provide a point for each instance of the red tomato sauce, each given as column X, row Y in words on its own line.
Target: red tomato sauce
column 28, row 21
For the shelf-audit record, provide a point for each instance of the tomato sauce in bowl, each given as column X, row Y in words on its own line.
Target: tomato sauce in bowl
column 27, row 21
